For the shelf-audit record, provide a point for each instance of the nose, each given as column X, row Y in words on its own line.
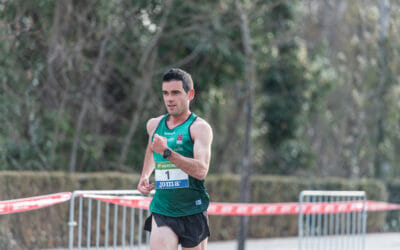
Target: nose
column 168, row 98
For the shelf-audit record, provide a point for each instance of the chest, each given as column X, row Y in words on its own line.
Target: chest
column 177, row 139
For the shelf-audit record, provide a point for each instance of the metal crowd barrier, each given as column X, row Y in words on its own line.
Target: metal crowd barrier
column 324, row 229
column 126, row 220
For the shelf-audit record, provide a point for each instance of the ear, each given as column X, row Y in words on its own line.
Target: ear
column 191, row 94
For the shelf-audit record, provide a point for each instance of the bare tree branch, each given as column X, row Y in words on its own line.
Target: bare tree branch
column 146, row 65
column 96, row 73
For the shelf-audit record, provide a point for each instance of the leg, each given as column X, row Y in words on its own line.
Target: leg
column 162, row 238
column 201, row 246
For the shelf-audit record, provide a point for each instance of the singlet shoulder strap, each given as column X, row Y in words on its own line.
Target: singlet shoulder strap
column 191, row 120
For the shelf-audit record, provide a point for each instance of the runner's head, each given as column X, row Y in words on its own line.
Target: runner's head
column 177, row 88
column 179, row 75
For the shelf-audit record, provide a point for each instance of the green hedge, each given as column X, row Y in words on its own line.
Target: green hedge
column 47, row 227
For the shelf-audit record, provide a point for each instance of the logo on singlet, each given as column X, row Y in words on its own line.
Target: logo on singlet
column 179, row 139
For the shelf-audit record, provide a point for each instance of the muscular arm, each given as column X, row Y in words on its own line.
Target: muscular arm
column 198, row 166
column 148, row 165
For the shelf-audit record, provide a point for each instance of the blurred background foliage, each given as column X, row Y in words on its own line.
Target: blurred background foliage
column 79, row 80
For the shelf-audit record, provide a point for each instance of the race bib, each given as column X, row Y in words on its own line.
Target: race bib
column 170, row 176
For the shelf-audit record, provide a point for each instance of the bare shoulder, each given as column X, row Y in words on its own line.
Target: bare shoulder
column 201, row 127
column 152, row 124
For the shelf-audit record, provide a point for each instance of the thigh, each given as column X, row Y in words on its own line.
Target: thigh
column 201, row 246
column 162, row 238
column 196, row 232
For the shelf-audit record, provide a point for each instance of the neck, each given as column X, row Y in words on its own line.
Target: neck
column 178, row 119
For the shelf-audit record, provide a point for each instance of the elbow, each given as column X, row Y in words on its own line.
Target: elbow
column 201, row 175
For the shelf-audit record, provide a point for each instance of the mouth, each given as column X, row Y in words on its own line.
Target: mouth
column 170, row 106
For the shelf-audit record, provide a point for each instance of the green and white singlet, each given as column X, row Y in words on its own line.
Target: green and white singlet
column 177, row 193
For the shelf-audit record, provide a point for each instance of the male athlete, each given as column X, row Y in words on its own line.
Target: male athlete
column 179, row 149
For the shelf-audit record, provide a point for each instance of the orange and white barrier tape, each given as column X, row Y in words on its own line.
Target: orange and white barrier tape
column 220, row 208
column 25, row 204
column 129, row 201
column 293, row 208
column 215, row 208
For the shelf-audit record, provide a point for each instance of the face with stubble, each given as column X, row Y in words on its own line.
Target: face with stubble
column 176, row 100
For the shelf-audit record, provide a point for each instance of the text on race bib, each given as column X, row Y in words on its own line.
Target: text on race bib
column 169, row 176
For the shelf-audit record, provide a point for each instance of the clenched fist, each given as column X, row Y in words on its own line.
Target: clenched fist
column 159, row 144
column 144, row 186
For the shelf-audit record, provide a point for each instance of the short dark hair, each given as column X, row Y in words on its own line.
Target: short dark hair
column 179, row 75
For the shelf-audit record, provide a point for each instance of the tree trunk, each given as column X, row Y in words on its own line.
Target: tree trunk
column 384, row 9
column 246, row 163
column 231, row 125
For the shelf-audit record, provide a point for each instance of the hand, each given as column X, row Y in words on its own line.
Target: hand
column 143, row 186
column 159, row 144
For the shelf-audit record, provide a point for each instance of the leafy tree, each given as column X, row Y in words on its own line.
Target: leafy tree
column 284, row 84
